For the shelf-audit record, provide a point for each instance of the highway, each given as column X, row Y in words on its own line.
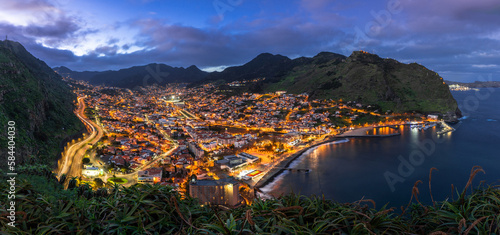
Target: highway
column 71, row 162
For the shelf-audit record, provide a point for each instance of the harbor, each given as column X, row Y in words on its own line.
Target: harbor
column 359, row 133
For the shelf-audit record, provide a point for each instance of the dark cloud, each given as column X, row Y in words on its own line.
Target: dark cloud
column 28, row 5
column 62, row 28
column 451, row 16
column 213, row 47
column 106, row 51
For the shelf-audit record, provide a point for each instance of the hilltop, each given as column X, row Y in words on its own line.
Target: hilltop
column 38, row 101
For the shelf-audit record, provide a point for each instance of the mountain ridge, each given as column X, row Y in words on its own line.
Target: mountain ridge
column 142, row 75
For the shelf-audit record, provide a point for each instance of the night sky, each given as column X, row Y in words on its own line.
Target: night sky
column 460, row 39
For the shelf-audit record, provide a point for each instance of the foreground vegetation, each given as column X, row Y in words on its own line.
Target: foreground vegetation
column 43, row 207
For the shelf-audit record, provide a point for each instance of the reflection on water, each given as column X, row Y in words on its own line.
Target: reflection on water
column 386, row 130
column 347, row 172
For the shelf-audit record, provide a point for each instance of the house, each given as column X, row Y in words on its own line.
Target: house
column 150, row 175
column 433, row 116
column 195, row 149
column 118, row 160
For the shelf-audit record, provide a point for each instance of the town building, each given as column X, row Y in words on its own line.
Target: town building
column 216, row 192
column 151, row 175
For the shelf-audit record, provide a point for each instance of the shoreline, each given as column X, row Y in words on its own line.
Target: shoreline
column 278, row 169
column 270, row 176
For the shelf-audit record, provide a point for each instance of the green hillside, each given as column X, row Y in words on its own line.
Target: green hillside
column 369, row 79
column 38, row 101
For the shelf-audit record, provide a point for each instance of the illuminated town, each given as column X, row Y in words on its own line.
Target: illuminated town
column 202, row 140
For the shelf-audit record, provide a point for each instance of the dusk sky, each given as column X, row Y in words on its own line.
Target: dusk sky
column 460, row 39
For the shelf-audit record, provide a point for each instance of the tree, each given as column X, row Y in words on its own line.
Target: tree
column 62, row 179
column 98, row 182
column 72, row 183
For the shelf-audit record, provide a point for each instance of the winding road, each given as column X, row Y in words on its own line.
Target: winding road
column 71, row 162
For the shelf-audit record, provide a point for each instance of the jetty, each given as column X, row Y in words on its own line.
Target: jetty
column 445, row 128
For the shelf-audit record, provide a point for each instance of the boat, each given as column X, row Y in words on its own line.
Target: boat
column 429, row 126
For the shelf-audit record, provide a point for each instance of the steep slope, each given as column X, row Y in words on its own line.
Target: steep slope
column 38, row 101
column 150, row 74
column 370, row 79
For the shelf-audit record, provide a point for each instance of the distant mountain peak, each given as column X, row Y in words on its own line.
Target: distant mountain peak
column 62, row 69
column 192, row 67
column 267, row 56
column 264, row 54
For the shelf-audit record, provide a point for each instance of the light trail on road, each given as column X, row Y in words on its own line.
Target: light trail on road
column 72, row 159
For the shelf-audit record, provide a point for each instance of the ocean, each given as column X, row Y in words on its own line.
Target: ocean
column 386, row 169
